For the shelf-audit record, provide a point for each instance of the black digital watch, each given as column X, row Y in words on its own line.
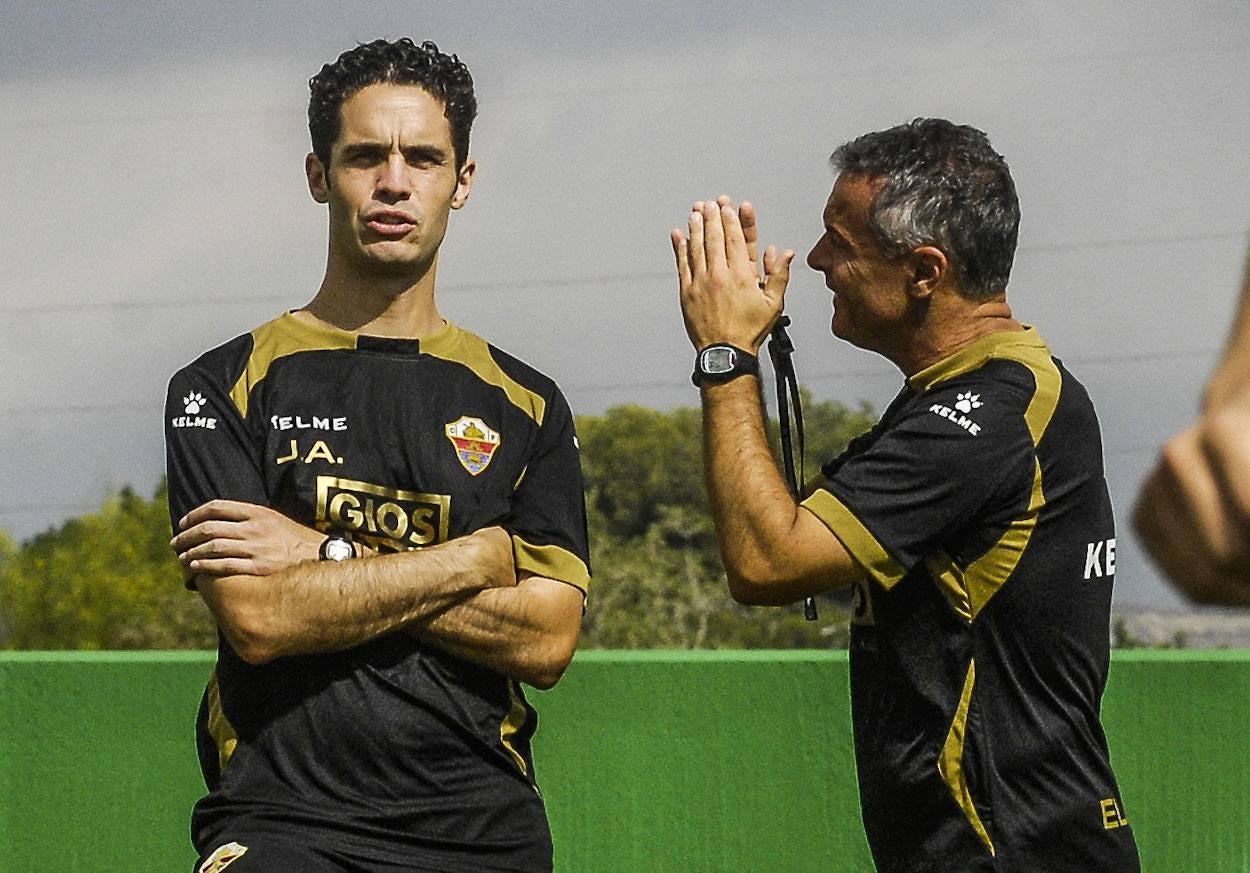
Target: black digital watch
column 720, row 362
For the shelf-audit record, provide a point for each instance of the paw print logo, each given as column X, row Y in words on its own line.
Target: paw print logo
column 968, row 401
column 193, row 402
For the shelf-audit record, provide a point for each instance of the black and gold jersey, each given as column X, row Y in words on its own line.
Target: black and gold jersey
column 397, row 444
column 980, row 646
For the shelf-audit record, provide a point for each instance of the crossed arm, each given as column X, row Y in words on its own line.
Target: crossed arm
column 774, row 550
column 1193, row 511
column 257, row 571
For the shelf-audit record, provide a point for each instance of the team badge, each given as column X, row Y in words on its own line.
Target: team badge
column 474, row 441
column 223, row 857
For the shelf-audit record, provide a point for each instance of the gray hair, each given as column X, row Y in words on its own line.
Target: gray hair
column 941, row 185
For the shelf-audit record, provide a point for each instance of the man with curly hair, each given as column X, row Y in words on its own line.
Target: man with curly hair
column 384, row 514
column 973, row 521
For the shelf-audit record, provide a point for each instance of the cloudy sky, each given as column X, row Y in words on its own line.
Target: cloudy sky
column 154, row 202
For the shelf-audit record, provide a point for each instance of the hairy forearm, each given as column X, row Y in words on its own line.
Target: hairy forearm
column 751, row 505
column 528, row 631
column 322, row 606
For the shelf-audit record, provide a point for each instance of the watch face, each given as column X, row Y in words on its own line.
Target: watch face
column 337, row 549
column 718, row 359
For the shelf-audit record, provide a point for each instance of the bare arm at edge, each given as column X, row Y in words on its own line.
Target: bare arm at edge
column 1193, row 510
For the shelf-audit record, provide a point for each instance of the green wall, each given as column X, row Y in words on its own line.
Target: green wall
column 650, row 761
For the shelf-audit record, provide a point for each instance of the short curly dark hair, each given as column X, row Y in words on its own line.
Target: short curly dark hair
column 401, row 62
column 941, row 184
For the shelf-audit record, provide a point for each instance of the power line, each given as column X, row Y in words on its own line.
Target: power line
column 450, row 288
column 650, row 384
column 516, row 95
column 566, row 282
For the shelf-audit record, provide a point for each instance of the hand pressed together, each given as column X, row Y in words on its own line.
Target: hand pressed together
column 723, row 298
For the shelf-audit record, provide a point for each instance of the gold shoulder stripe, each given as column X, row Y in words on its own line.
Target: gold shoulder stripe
column 552, row 562
column 461, row 347
column 857, row 539
column 988, row 573
column 1016, row 345
column 951, row 762
column 1045, row 395
column 285, row 335
column 219, row 727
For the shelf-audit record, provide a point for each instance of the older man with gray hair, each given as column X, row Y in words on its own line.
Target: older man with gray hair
column 973, row 520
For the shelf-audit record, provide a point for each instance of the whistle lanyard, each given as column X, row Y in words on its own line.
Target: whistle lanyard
column 781, row 352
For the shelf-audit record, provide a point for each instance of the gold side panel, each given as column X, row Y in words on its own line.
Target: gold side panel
column 551, row 562
column 219, row 727
column 951, row 582
column 1045, row 395
column 285, row 335
column 857, row 539
column 513, row 722
column 990, row 572
column 951, row 763
column 462, row 347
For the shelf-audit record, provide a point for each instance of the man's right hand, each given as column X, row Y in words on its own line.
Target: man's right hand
column 722, row 297
column 232, row 538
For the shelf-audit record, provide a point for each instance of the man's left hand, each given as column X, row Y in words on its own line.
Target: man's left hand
column 723, row 299
column 230, row 538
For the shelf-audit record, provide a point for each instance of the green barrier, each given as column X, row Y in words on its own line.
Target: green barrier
column 650, row 761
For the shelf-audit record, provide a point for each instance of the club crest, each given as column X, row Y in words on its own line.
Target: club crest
column 474, row 441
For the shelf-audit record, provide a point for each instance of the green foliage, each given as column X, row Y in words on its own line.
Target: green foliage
column 658, row 580
column 102, row 581
column 108, row 580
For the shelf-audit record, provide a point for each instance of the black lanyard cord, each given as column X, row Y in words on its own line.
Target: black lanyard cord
column 781, row 352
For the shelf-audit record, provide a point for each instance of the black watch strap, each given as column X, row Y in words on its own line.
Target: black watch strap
column 721, row 362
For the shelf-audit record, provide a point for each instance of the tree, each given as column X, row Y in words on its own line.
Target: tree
column 658, row 580
column 107, row 580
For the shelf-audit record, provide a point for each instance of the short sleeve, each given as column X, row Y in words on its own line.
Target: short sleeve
column 208, row 451
column 956, row 456
column 548, row 514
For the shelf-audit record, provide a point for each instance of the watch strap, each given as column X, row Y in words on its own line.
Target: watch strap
column 336, row 548
column 721, row 362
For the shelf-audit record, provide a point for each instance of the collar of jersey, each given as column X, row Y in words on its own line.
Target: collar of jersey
column 328, row 336
column 1014, row 345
